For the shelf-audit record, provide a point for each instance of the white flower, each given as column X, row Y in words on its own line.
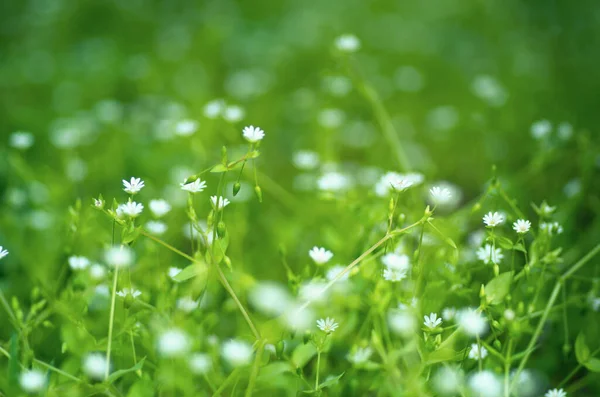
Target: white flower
column 556, row 393
column 187, row 304
column 313, row 291
column 219, row 202
column 493, row 219
column 395, row 261
column 393, row 181
column 472, row 322
column 32, row 381
column 270, row 298
column 305, row 160
column 97, row 272
column 401, row 322
column 237, row 353
column 448, row 313
column 233, row 114
column 432, row 321
column 489, row 254
column 334, row 271
column 253, row 134
column 509, row 314
column 347, row 43
column 98, row 203
column 521, row 226
column 485, row 383
column 134, row 293
column 476, row 353
column 551, row 228
column 320, row 255
column 448, row 381
column 78, row 262
column 173, row 342
column 133, row 186
column 200, row 363
column 119, row 256
column 131, row 208
column 333, row 181
column 214, row 108
column 327, row 325
column 156, row 227
column 159, row 208
column 360, row 355
column 174, row 271
column 21, row 140
column 94, row 365
column 186, row 127
column 440, row 195
column 193, row 187
column 540, row 129
column 394, row 274
column 3, row 252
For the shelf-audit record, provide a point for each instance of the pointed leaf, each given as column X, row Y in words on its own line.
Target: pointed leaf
column 331, row 381
column 497, row 289
column 593, row 364
column 582, row 351
column 219, row 168
column 117, row 374
column 193, row 270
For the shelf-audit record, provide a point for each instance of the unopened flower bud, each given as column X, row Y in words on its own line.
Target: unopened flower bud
column 258, row 192
column 236, row 188
column 221, row 229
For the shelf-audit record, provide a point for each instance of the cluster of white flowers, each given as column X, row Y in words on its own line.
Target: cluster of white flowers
column 253, row 134
column 396, row 266
column 327, row 325
column 131, row 209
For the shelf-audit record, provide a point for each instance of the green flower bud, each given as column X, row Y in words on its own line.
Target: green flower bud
column 221, row 229
column 279, row 348
column 236, row 188
column 258, row 192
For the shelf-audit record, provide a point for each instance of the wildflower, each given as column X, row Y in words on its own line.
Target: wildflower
column 509, row 314
column 98, row 203
column 440, row 195
column 485, row 383
column 327, row 325
column 78, row 262
column 94, row 365
column 551, row 228
column 320, row 255
column 336, row 270
column 448, row 313
column 472, row 322
column 133, row 186
column 347, row 43
column 394, row 274
column 186, row 127
column 200, row 363
column 156, row 227
column 493, row 219
column 521, row 226
column 134, row 293
column 131, row 209
column 219, row 202
column 193, row 187
column 253, row 134
column 540, row 129
column 214, row 108
column 173, row 342
column 159, row 208
column 556, row 393
column 333, row 182
column 32, row 381
column 233, row 114
column 270, row 298
column 119, row 256
column 489, row 254
column 237, row 353
column 432, row 321
column 546, row 210
column 21, row 140
column 393, row 181
column 97, row 272
column 305, row 160
column 187, row 304
column 3, row 252
column 477, row 352
column 401, row 322
column 360, row 355
column 448, row 381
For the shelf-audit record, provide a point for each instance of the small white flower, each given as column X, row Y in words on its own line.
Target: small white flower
column 492, row 219
column 551, row 228
column 21, row 140
column 134, row 293
column 119, row 256
column 133, row 186
column 360, row 355
column 395, row 182
column 472, row 322
column 186, row 127
column 187, row 304
column 432, row 321
column 214, row 108
column 219, row 202
column 393, row 274
column 174, row 271
column 449, row 313
column 233, row 114
column 556, row 393
column 476, row 353
column 333, row 181
column 98, row 203
column 32, row 381
column 305, row 160
column 193, row 187
column 509, row 314
column 395, row 261
column 347, row 43
column 156, row 227
column 94, row 365
column 78, row 262
column 320, row 255
column 313, row 291
column 521, row 226
column 159, row 208
column 402, row 322
column 270, row 298
column 327, row 325
column 3, row 252
column 97, row 272
column 131, row 209
column 253, row 134
column 173, row 343
column 488, row 254
column 237, row 353
column 448, row 380
column 540, row 129
column 485, row 383
column 334, row 271
column 200, row 363
column 440, row 195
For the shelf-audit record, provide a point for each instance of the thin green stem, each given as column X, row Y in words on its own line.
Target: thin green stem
column 111, row 321
column 227, row 382
column 318, row 368
column 255, row 368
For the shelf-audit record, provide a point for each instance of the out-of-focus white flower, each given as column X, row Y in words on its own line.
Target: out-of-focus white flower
column 489, row 254
column 3, row 252
column 432, row 321
column 320, row 255
column 472, row 322
column 200, row 363
column 551, row 228
column 134, row 293
column 21, row 140
column 174, row 271
column 394, row 274
column 565, row 131
column 449, row 313
column 233, row 114
column 186, row 127
column 448, row 381
column 331, row 118
column 237, row 353
column 327, row 325
column 402, row 322
column 94, row 366
column 297, row 318
column 306, row 159
column 476, row 352
column 395, row 261
column 219, row 202
column 253, row 134
column 313, row 291
column 32, row 381
column 214, row 108
column 509, row 314
column 409, row 79
column 440, row 195
column 131, row 209
column 157, row 228
column 556, row 393
column 193, row 187
column 78, row 262
column 159, row 207
column 347, row 43
column 521, row 226
column 187, row 304
column 360, row 355
column 173, row 343
column 98, row 203
column 334, row 271
column 395, row 182
column 97, row 272
column 485, row 383
column 121, row 256
column 541, row 129
column 333, row 181
column 490, row 90
column 493, row 219
column 133, row 186
column 270, row 298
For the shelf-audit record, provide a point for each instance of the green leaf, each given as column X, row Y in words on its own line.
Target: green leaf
column 444, row 354
column 253, row 154
column 273, row 370
column 130, row 234
column 519, row 247
column 582, row 351
column 331, row 381
column 504, row 242
column 497, row 289
column 593, row 364
column 117, row 374
column 193, row 270
column 219, row 168
column 303, row 354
